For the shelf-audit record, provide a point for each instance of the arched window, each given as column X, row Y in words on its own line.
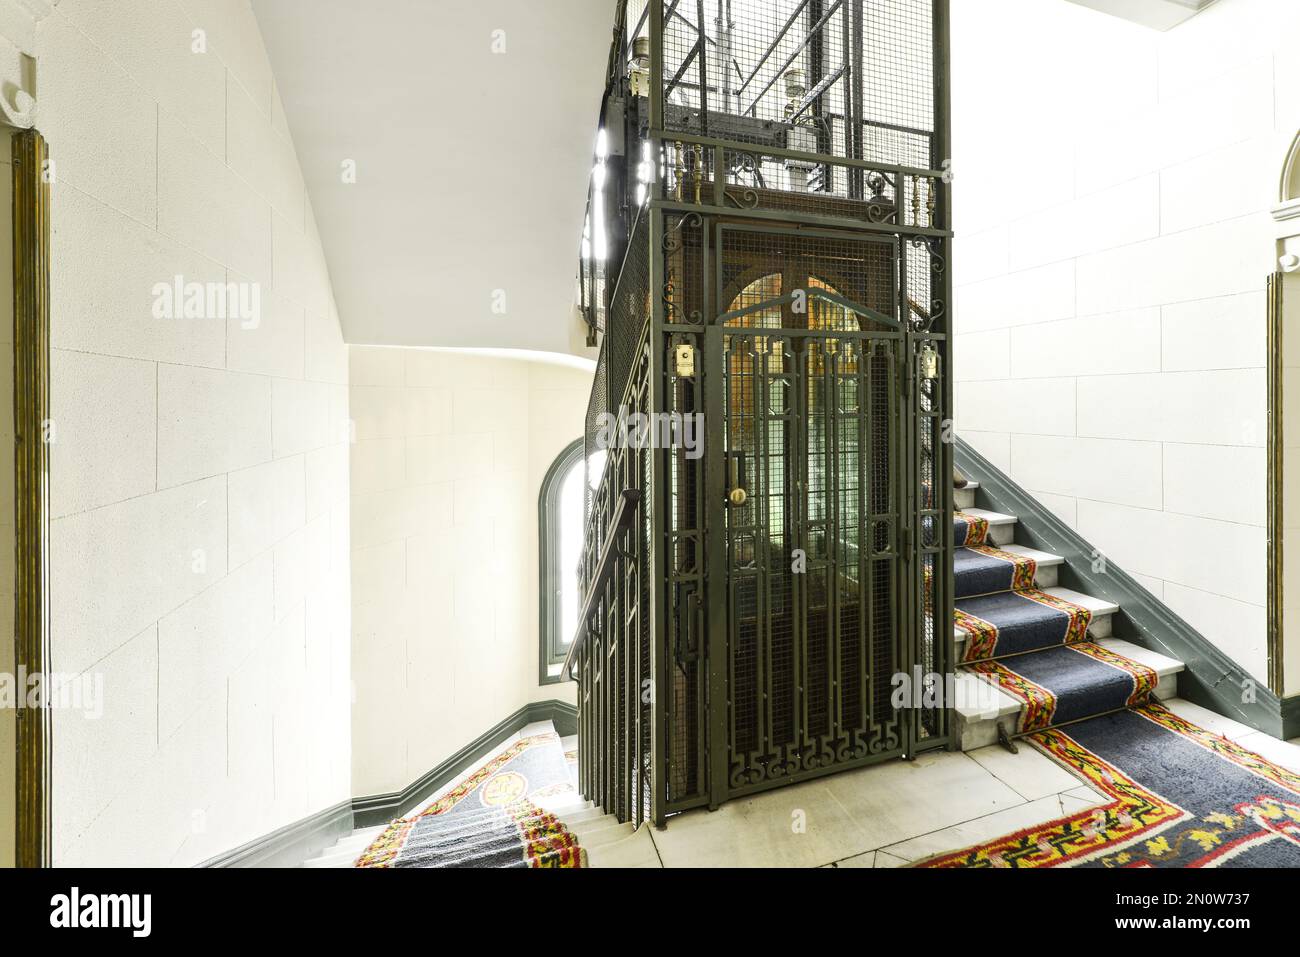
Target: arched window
column 561, row 508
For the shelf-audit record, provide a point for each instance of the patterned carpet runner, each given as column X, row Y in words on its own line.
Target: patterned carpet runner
column 490, row 819
column 1070, row 682
column 998, row 609
column 1031, row 644
column 1178, row 796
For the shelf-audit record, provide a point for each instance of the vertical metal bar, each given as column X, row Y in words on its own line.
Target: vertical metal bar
column 719, row 191
column 660, row 657
column 765, row 713
column 703, row 67
column 583, row 763
column 943, row 217
column 834, row 633
column 866, row 528
column 656, row 73
column 717, row 582
column 619, row 680
column 31, row 330
column 602, row 712
column 854, row 100
column 797, row 449
column 905, row 462
column 816, row 74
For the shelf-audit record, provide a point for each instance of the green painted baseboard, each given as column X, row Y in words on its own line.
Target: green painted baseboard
column 381, row 808
column 1211, row 679
column 291, row 845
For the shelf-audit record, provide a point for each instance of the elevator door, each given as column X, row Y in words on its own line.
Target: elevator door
column 806, row 622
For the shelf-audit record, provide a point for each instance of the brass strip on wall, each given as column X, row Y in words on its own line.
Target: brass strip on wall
column 1276, row 453
column 31, row 223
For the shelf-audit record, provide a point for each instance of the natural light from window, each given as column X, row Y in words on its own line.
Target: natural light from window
column 570, row 526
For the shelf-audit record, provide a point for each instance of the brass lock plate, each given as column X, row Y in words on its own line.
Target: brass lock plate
column 684, row 360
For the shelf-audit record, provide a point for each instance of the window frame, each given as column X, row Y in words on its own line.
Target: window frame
column 551, row 650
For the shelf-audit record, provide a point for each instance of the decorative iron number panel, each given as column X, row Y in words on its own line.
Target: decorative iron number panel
column 807, row 445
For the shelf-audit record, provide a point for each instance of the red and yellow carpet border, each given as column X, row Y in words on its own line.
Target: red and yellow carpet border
column 1132, row 812
column 1024, row 569
column 1040, row 704
column 1144, row 679
column 977, row 529
column 1223, row 747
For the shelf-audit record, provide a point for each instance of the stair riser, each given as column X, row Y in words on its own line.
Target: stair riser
column 605, row 836
column 1002, row 534
column 596, row 828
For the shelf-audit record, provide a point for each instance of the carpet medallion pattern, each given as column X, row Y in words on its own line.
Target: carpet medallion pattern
column 490, row 819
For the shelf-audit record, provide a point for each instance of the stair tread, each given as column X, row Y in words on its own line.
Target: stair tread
column 1099, row 607
column 993, row 518
column 1042, row 558
column 1160, row 664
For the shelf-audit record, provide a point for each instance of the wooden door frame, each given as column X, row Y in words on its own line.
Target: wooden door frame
column 31, row 277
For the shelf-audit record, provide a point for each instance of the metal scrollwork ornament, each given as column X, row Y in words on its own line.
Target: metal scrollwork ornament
column 672, row 244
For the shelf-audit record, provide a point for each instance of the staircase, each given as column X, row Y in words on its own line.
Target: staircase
column 607, row 842
column 1018, row 632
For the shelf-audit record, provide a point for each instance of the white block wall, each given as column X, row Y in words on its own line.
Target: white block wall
column 450, row 455
column 1112, row 188
column 200, row 473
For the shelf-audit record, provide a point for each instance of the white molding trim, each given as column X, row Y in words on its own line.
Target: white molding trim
column 19, row 20
column 1287, row 211
column 1288, row 187
column 21, row 113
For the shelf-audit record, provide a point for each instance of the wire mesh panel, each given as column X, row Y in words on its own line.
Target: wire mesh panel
column 842, row 78
column 813, row 593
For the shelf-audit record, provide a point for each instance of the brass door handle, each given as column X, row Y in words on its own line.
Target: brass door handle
column 737, row 497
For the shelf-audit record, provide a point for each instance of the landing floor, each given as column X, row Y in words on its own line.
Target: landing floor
column 892, row 814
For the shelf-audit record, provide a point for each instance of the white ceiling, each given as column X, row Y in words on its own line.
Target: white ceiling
column 472, row 166
column 1158, row 14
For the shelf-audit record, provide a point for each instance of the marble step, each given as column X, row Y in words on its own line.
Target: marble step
column 1002, row 528
column 347, row 849
column 981, row 705
column 1102, row 610
column 594, row 835
column 964, row 498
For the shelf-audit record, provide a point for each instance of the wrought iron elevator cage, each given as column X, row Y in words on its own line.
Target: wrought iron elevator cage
column 765, row 267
